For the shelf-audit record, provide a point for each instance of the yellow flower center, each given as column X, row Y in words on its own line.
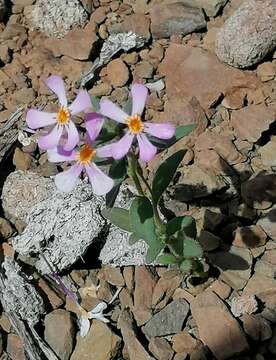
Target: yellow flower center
column 63, row 116
column 135, row 124
column 86, row 154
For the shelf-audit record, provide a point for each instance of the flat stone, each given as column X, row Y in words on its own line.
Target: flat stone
column 249, row 237
column 144, row 285
column 174, row 18
column 267, row 153
column 138, row 23
column 221, row 289
column 265, row 268
column 264, row 288
column 143, row 70
column 161, row 348
column 193, row 72
column 256, row 327
column 15, row 347
column 113, row 276
column 217, row 328
column 211, row 7
column 248, row 35
column 167, row 321
column 208, row 241
column 246, row 304
column 164, row 289
column 268, row 223
column 100, row 341
column 266, row 71
column 81, row 40
column 59, row 333
column 270, row 256
column 250, row 122
column 183, row 342
column 235, row 266
column 135, row 349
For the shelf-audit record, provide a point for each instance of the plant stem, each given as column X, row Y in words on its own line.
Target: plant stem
column 132, row 171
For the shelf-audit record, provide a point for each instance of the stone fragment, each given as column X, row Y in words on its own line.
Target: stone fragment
column 256, row 327
column 22, row 160
column 249, row 237
column 160, row 348
column 264, row 288
column 246, row 304
column 217, row 328
column 100, row 342
column 15, row 347
column 174, row 18
column 53, row 298
column 259, row 192
column 265, row 268
column 201, row 353
column 183, row 342
column 143, row 70
column 250, row 122
column 101, row 89
column 135, row 349
column 249, row 34
column 164, row 289
column 59, row 333
column 267, row 153
column 81, row 40
column 208, row 241
column 235, row 266
column 138, row 23
column 167, row 321
column 128, row 273
column 5, row 228
column 144, row 285
column 234, row 99
column 117, row 72
column 211, row 7
column 266, row 71
column 193, row 72
column 268, row 223
column 270, row 256
column 221, row 289
column 113, row 276
column 3, row 8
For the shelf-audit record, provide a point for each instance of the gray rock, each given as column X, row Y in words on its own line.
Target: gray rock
column 268, row 223
column 246, row 304
column 211, row 7
column 249, row 34
column 59, row 332
column 265, row 268
column 167, row 321
column 18, row 295
column 172, row 18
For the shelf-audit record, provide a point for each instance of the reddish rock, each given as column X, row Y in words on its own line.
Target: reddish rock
column 117, row 72
column 217, row 328
column 113, row 276
column 164, row 290
column 15, row 347
column 249, row 237
column 263, row 288
column 138, row 23
column 191, row 71
column 256, row 327
column 183, row 342
column 270, row 256
column 161, row 348
column 250, row 122
column 54, row 300
column 266, row 71
column 221, row 289
column 234, row 99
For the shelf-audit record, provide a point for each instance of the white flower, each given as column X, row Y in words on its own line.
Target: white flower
column 86, row 316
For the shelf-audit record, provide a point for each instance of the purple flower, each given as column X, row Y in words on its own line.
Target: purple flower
column 67, row 180
column 62, row 119
column 136, row 128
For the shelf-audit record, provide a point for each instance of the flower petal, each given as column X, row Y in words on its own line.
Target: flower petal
column 93, row 124
column 58, row 154
column 84, row 325
column 146, row 149
column 56, row 84
column 67, row 180
column 97, row 309
column 37, row 119
column 121, row 147
column 81, row 103
column 139, row 94
column 73, row 136
column 112, row 111
column 161, row 131
column 105, row 151
column 101, row 183
column 51, row 140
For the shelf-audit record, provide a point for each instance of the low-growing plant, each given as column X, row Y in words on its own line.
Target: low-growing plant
column 121, row 139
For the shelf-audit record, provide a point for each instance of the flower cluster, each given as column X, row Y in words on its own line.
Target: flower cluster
column 63, row 142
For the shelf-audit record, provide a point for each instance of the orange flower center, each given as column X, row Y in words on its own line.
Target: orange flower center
column 86, row 154
column 135, row 124
column 63, row 116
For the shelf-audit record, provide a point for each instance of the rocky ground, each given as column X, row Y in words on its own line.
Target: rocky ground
column 217, row 66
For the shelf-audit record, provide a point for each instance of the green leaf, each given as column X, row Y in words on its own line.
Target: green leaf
column 111, row 196
column 165, row 173
column 118, row 171
column 128, row 106
column 133, row 238
column 95, row 102
column 186, row 265
column 142, row 224
column 186, row 223
column 182, row 131
column 191, row 248
column 167, row 259
column 118, row 217
column 109, row 131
